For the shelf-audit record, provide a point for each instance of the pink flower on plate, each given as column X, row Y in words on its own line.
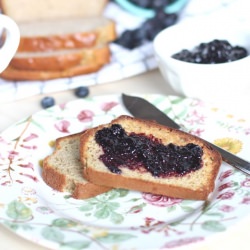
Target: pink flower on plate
column 63, row 126
column 182, row 242
column 225, row 174
column 62, row 106
column 196, row 118
column 247, row 131
column 30, row 137
column 246, row 183
column 44, row 210
column 12, row 154
column 85, row 116
column 197, row 132
column 28, row 165
column 226, row 196
column 32, row 147
column 108, row 106
column 225, row 185
column 246, row 200
column 2, row 140
column 160, row 200
column 226, row 208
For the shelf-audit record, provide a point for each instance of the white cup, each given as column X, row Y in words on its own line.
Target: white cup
column 10, row 30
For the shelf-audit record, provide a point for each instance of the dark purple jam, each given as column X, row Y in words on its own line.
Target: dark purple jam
column 146, row 153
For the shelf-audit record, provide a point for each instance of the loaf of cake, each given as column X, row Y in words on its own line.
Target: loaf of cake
column 30, row 10
column 145, row 156
column 62, row 170
column 63, row 47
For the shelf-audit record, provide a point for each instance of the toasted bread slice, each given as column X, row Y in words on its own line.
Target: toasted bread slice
column 62, row 170
column 196, row 184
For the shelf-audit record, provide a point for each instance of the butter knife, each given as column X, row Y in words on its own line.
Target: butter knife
column 143, row 109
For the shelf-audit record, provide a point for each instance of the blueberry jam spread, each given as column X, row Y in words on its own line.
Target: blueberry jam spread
column 146, row 153
column 216, row 51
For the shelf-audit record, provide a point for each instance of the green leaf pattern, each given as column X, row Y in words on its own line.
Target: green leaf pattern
column 53, row 234
column 213, row 226
column 19, row 211
column 102, row 206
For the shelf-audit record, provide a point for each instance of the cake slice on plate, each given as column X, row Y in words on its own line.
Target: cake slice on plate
column 62, row 170
column 143, row 155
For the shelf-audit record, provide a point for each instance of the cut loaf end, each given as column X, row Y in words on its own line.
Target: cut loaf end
column 195, row 185
column 62, row 170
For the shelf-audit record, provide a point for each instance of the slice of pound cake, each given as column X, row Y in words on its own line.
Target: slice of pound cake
column 146, row 156
column 62, row 170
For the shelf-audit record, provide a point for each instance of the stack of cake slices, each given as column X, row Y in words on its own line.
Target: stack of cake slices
column 59, row 39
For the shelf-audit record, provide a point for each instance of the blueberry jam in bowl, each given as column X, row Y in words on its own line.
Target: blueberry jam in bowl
column 217, row 79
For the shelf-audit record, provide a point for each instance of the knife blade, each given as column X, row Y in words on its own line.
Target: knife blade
column 143, row 109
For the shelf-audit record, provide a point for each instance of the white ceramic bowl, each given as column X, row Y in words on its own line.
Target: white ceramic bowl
column 219, row 83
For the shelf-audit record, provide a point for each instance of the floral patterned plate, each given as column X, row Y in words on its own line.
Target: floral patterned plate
column 119, row 219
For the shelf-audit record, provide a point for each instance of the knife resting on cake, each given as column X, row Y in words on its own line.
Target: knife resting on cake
column 143, row 109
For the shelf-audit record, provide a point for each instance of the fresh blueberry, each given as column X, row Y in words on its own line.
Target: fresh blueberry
column 131, row 39
column 82, row 91
column 156, row 4
column 125, row 39
column 151, row 28
column 170, row 19
column 160, row 4
column 47, row 102
column 142, row 3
